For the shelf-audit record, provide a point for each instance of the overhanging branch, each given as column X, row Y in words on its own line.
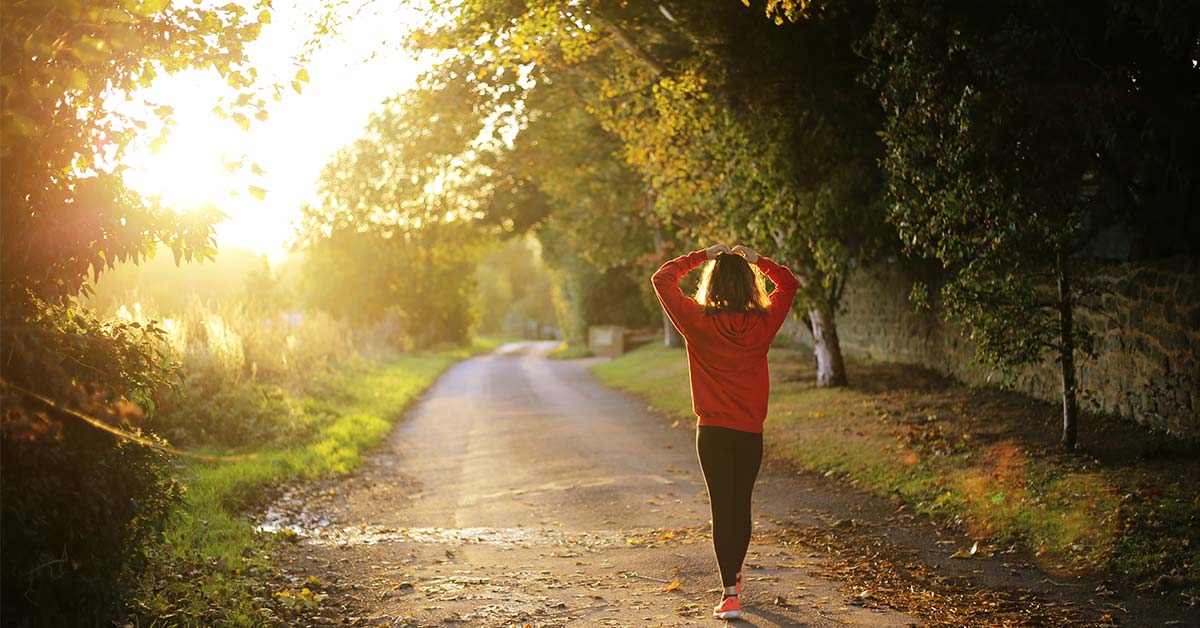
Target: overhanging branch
column 627, row 42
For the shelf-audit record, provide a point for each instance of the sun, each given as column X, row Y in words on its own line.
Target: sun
column 206, row 161
column 261, row 177
column 190, row 171
column 203, row 161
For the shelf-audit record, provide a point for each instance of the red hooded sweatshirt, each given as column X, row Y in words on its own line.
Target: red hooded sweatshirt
column 727, row 352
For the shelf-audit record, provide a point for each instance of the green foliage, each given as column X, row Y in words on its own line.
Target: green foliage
column 585, row 294
column 79, row 506
column 245, row 356
column 423, row 282
column 66, row 209
column 1004, row 170
column 514, row 288
column 646, row 130
column 783, row 162
column 80, row 514
column 1015, row 135
column 614, row 299
column 991, row 192
column 393, row 234
column 234, row 416
column 598, row 221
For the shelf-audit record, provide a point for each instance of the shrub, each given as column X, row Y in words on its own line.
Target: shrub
column 79, row 513
column 79, row 505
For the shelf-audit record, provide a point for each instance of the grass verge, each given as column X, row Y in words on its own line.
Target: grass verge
column 982, row 459
column 213, row 568
column 569, row 352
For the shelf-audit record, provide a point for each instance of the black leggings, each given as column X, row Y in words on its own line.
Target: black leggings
column 729, row 460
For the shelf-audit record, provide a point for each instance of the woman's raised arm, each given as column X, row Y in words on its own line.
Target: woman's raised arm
column 681, row 308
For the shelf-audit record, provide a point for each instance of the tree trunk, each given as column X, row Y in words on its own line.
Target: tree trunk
column 831, row 369
column 1070, row 409
column 671, row 336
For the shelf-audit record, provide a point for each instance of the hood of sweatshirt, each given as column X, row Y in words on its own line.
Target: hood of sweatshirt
column 740, row 328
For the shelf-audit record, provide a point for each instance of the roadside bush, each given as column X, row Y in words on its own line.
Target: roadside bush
column 230, row 416
column 79, row 514
column 80, row 506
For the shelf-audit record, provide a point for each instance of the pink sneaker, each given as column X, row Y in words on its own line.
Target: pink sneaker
column 729, row 608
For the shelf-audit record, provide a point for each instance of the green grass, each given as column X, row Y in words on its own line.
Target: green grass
column 965, row 455
column 567, row 352
column 212, row 566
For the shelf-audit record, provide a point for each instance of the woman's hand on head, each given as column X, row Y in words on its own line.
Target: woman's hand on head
column 716, row 250
column 750, row 256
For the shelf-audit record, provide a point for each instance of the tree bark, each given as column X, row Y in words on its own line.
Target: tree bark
column 831, row 369
column 671, row 336
column 1070, row 408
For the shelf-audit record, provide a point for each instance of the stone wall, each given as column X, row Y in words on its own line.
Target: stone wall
column 1146, row 322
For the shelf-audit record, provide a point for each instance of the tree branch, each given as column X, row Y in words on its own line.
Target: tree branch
column 623, row 38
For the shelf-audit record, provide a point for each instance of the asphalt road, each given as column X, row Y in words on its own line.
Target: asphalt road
column 521, row 491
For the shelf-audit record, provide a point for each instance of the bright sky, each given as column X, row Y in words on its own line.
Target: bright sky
column 348, row 78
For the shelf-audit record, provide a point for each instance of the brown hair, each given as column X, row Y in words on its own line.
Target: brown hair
column 729, row 284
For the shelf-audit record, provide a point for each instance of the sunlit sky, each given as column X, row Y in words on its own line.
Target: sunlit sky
column 349, row 75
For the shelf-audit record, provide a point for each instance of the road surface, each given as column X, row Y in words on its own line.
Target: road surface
column 519, row 491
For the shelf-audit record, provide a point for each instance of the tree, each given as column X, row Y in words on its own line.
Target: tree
column 597, row 228
column 514, row 288
column 730, row 136
column 1014, row 135
column 765, row 136
column 393, row 232
column 539, row 163
column 80, row 506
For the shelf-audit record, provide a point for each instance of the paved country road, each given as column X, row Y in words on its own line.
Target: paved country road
column 520, row 491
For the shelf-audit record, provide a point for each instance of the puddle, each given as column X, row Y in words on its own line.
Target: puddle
column 304, row 512
column 301, row 511
column 516, row 537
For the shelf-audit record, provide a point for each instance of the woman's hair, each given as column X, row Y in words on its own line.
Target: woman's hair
column 730, row 285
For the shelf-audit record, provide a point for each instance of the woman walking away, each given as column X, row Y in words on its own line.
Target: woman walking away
column 728, row 327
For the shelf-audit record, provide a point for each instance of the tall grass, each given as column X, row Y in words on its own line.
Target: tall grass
column 245, row 363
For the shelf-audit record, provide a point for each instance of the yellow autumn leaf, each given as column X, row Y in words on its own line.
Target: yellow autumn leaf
column 671, row 587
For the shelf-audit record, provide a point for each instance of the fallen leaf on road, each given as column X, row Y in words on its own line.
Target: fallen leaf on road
column 671, row 587
column 974, row 552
